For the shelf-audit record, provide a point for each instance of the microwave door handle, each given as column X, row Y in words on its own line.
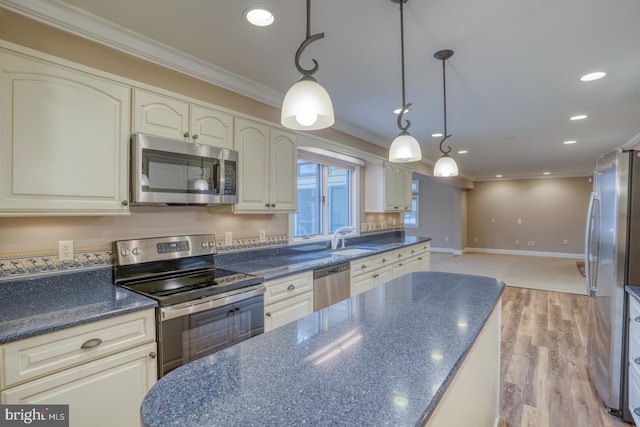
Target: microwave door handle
column 588, row 239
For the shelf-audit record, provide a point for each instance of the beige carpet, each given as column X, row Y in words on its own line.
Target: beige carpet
column 547, row 274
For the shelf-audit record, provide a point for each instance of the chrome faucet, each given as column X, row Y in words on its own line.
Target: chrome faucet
column 342, row 230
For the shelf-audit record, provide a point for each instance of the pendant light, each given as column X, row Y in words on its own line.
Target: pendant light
column 201, row 184
column 307, row 105
column 445, row 166
column 404, row 148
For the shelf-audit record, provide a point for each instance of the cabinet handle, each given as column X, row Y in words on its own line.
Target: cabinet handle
column 363, row 266
column 375, row 276
column 637, row 360
column 396, row 207
column 125, row 203
column 152, row 355
column 195, row 137
column 290, row 287
column 637, row 319
column 273, row 205
column 92, row 343
column 399, row 255
column 400, row 264
column 420, row 259
column 384, row 260
column 268, row 314
column 266, row 205
column 186, row 134
column 637, row 411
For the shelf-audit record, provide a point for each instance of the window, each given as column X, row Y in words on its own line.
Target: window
column 326, row 196
column 411, row 217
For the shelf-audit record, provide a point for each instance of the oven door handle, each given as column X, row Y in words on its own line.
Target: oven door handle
column 208, row 303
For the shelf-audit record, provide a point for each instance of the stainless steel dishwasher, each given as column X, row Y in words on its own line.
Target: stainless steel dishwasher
column 330, row 285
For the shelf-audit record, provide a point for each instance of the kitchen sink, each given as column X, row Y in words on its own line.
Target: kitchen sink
column 351, row 251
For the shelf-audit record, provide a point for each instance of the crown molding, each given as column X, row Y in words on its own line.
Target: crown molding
column 82, row 24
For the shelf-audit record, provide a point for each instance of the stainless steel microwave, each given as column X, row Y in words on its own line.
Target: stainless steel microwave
column 170, row 172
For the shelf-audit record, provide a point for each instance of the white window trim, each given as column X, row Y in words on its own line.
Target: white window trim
column 337, row 159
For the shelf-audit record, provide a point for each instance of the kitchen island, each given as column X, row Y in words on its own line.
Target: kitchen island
column 423, row 349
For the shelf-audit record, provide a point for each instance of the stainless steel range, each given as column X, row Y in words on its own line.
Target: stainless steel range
column 201, row 309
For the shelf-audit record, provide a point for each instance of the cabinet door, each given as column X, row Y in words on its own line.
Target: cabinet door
column 284, row 186
column 287, row 311
column 63, row 141
column 251, row 140
column 211, row 127
column 160, row 115
column 384, row 275
column 362, row 284
column 107, row 392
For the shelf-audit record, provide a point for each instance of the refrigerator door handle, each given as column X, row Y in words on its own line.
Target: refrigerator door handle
column 589, row 235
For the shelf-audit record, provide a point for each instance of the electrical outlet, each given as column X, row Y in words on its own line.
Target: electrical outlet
column 228, row 239
column 263, row 236
column 519, row 221
column 566, row 242
column 517, row 242
column 446, row 239
column 65, row 250
column 475, row 240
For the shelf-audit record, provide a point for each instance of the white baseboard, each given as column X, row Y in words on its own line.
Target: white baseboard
column 524, row 253
column 446, row 251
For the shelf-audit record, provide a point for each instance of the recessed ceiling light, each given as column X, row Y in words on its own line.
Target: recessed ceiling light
column 578, row 117
column 546, row 173
column 259, row 17
column 593, row 76
column 463, row 151
column 569, row 142
column 498, row 176
column 436, row 135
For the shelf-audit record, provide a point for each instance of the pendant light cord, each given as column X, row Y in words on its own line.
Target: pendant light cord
column 310, row 39
column 405, row 106
column 444, row 95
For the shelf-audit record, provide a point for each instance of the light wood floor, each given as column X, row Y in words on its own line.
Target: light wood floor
column 544, row 380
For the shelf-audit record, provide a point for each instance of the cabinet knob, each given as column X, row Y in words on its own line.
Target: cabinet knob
column 291, row 287
column 125, row 203
column 195, row 137
column 363, row 266
column 376, row 276
column 273, row 205
column 186, row 134
column 384, row 260
column 92, row 343
column 400, row 264
column 267, row 205
column 637, row 411
column 152, row 355
column 637, row 319
column 268, row 314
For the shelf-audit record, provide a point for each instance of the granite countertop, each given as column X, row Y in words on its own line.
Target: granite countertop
column 292, row 261
column 383, row 357
column 35, row 306
column 634, row 291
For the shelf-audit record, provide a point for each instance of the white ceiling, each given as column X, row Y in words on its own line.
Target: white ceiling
column 512, row 83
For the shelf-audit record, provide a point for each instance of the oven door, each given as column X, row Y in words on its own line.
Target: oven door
column 190, row 331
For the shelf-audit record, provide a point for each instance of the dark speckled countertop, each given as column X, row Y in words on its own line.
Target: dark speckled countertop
column 364, row 361
column 297, row 259
column 30, row 307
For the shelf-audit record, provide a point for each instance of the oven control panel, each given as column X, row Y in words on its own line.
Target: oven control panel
column 137, row 251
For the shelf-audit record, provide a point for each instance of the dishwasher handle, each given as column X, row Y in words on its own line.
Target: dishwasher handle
column 332, row 269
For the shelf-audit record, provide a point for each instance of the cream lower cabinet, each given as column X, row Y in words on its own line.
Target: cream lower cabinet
column 168, row 117
column 267, row 168
column 633, row 382
column 63, row 140
column 103, row 383
column 287, row 299
column 364, row 282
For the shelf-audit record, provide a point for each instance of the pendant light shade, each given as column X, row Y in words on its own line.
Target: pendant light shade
column 445, row 166
column 404, row 148
column 307, row 105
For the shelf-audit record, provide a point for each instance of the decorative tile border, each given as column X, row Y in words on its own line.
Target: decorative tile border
column 252, row 243
column 27, row 264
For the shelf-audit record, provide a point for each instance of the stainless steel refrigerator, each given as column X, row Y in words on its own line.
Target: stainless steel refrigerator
column 612, row 258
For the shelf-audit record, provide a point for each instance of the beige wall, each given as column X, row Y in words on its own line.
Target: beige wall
column 551, row 210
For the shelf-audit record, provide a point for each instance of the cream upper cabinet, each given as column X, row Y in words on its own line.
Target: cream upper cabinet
column 167, row 117
column 63, row 140
column 267, row 166
column 387, row 187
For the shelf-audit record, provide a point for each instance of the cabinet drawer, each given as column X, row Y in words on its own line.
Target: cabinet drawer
column 287, row 311
column 634, row 312
column 364, row 265
column 634, row 393
column 35, row 357
column 287, row 287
